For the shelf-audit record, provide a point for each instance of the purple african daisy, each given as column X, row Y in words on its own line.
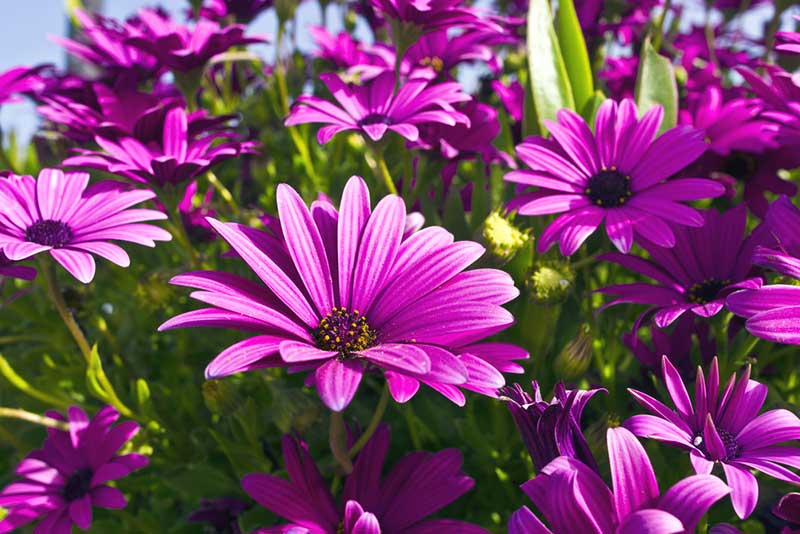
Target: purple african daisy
column 18, row 80
column 221, row 515
column 374, row 107
column 179, row 156
column 573, row 498
column 345, row 52
column 62, row 481
column 788, row 509
column 59, row 214
column 10, row 269
column 780, row 91
column 512, row 96
column 550, row 429
column 185, row 49
column 242, row 11
column 346, row 293
column 789, row 41
column 773, row 311
column 619, row 174
column 427, row 15
column 705, row 266
column 419, row 485
column 619, row 75
column 728, row 431
column 439, row 53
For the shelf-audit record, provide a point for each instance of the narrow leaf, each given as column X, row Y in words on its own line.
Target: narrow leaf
column 656, row 86
column 576, row 56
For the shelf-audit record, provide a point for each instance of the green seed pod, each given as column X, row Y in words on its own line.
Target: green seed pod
column 501, row 237
column 574, row 359
column 550, row 283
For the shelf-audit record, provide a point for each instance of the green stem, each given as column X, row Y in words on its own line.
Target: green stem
column 382, row 171
column 377, row 415
column 337, row 438
column 49, row 422
column 21, row 384
column 223, row 191
column 177, row 229
column 659, row 29
column 48, row 271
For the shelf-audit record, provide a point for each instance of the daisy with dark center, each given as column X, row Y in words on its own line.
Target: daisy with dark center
column 59, row 214
column 620, row 175
column 704, row 267
column 726, row 430
column 61, row 482
column 352, row 291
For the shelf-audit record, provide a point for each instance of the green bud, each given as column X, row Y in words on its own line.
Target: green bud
column 220, row 397
column 550, row 283
column 285, row 9
column 350, row 20
column 501, row 237
column 574, row 359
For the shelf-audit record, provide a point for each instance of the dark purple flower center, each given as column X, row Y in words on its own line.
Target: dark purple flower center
column 609, row 188
column 740, row 165
column 706, row 291
column 78, row 484
column 732, row 448
column 375, row 118
column 344, row 332
column 50, row 233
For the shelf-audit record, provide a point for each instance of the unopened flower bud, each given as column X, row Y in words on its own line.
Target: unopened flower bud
column 550, row 283
column 574, row 359
column 285, row 9
column 501, row 237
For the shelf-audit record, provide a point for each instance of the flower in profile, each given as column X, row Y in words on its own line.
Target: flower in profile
column 437, row 53
column 374, row 107
column 11, row 269
column 512, row 96
column 62, row 481
column 788, row 509
column 677, row 342
column 184, row 49
column 59, row 214
column 347, row 294
column 550, row 429
column 728, row 431
column 178, row 157
column 426, row 16
column 789, row 41
column 573, row 498
column 773, row 311
column 706, row 265
column 221, row 515
column 619, row 75
column 18, row 80
column 780, row 92
column 618, row 175
column 193, row 215
column 419, row 485
column 243, row 11
column 345, row 52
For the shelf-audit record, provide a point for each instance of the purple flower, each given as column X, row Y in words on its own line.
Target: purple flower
column 438, row 53
column 194, row 216
column 62, row 481
column 242, row 11
column 780, row 92
column 346, row 293
column 347, row 53
column 573, row 498
column 59, row 214
column 180, row 156
column 18, row 80
column 184, row 49
column 10, row 269
column 419, row 485
column 550, row 429
column 788, row 509
column 374, row 108
column 103, row 43
column 617, row 174
column 512, row 96
column 619, row 75
column 705, row 265
column 728, row 431
column 773, row 311
column 789, row 41
column 427, row 15
column 221, row 514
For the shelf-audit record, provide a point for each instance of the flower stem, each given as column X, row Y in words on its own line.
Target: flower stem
column 21, row 384
column 658, row 32
column 381, row 170
column 177, row 229
column 337, row 438
column 49, row 422
column 223, row 191
column 377, row 415
column 54, row 292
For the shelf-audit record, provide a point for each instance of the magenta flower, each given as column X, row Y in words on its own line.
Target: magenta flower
column 437, row 53
column 374, row 108
column 59, row 214
column 429, row 16
column 242, row 11
column 619, row 75
column 789, row 41
column 343, row 51
column 346, row 294
column 221, row 515
column 619, row 174
column 194, row 215
column 10, row 269
column 678, row 343
column 728, row 431
column 780, row 92
column 184, row 49
column 180, row 156
column 512, row 96
column 773, row 311
column 550, row 429
column 18, row 80
column 573, row 498
column 399, row 503
column 62, row 481
column 705, row 266
column 788, row 509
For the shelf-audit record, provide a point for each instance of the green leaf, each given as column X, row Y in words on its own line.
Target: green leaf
column 589, row 110
column 656, row 86
column 550, row 84
column 100, row 386
column 576, row 56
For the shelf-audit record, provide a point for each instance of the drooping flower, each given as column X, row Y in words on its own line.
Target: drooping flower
column 377, row 301
column 725, row 430
column 11, row 269
column 573, row 498
column 773, row 311
column 788, row 509
column 374, row 107
column 705, row 266
column 59, row 214
column 178, row 157
column 426, row 16
column 184, row 49
column 619, row 174
column 550, row 429
column 221, row 515
column 61, row 482
column 419, row 485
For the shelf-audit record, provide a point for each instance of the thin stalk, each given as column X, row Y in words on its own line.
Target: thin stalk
column 48, row 271
column 658, row 31
column 223, row 191
column 49, row 422
column 21, row 384
column 381, row 170
column 337, row 438
column 177, row 229
column 377, row 415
